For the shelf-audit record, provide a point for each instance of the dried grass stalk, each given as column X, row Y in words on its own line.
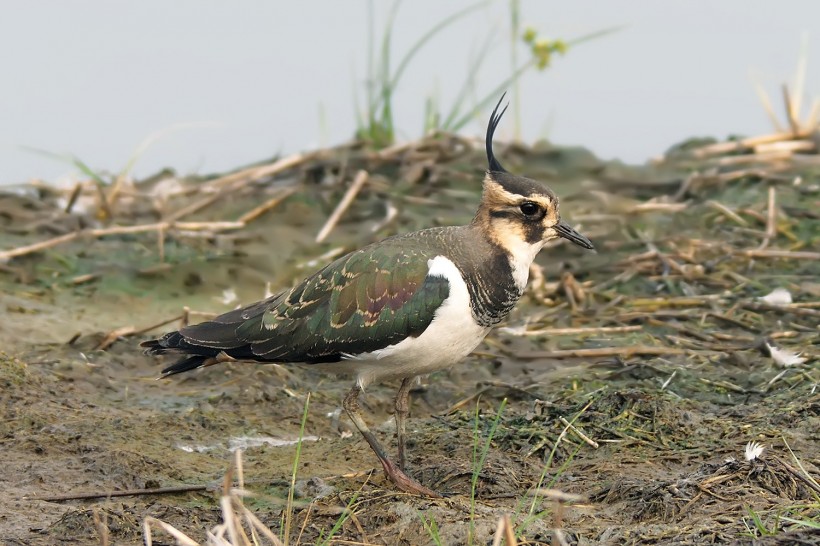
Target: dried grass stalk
column 344, row 204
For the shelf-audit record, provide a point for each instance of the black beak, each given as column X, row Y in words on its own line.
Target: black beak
column 570, row 234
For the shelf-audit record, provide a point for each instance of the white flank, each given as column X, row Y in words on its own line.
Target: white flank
column 451, row 336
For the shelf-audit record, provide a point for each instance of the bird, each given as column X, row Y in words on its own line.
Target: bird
column 405, row 306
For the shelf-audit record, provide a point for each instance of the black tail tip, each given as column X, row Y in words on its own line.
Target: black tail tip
column 152, row 347
column 185, row 365
column 169, row 343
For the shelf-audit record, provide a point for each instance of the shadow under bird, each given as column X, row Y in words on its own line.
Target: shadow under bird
column 405, row 306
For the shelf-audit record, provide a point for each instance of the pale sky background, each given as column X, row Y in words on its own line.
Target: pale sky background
column 94, row 78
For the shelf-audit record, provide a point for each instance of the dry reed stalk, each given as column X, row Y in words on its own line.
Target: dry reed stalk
column 581, row 331
column 394, row 150
column 36, row 247
column 124, row 493
column 786, row 146
column 558, row 495
column 727, row 212
column 572, row 292
column 241, row 178
column 101, row 525
column 271, row 203
column 725, row 385
column 181, row 538
column 202, row 226
column 768, row 174
column 118, row 230
column 358, row 182
column 766, row 102
column 560, row 538
column 813, row 119
column 805, row 160
column 720, row 148
column 235, row 181
column 130, row 331
column 72, row 199
column 791, row 114
column 772, row 253
column 157, row 325
column 589, row 441
column 82, row 279
column 795, row 309
column 194, row 207
column 161, row 244
column 771, row 219
column 116, row 189
column 104, row 207
column 625, row 352
column 504, row 531
column 656, row 207
column 391, row 213
column 113, row 336
column 259, row 526
column 769, row 157
column 234, row 512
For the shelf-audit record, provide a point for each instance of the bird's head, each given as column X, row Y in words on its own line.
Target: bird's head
column 518, row 213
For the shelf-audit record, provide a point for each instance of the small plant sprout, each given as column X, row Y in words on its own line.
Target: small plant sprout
column 753, row 450
column 543, row 49
column 375, row 120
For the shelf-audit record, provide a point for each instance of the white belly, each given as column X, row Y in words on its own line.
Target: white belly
column 451, row 336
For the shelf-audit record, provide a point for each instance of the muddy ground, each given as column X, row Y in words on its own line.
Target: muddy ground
column 634, row 377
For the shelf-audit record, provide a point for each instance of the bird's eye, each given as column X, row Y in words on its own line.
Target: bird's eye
column 529, row 208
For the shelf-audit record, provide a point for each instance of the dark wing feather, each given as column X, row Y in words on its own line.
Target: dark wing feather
column 363, row 302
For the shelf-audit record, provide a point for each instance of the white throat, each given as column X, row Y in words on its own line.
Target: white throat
column 521, row 257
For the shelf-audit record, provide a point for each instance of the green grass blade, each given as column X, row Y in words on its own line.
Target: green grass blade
column 156, row 136
column 384, row 123
column 595, row 35
column 761, row 528
column 371, row 38
column 804, row 522
column 512, row 78
column 799, row 464
column 427, row 36
column 431, row 115
column 468, row 85
column 515, row 32
column 490, row 97
column 431, row 527
column 71, row 160
column 478, row 463
column 325, row 540
column 288, row 513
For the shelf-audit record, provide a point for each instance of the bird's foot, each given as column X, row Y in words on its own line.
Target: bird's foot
column 405, row 482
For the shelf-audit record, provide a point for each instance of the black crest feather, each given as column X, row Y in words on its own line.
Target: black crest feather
column 495, row 117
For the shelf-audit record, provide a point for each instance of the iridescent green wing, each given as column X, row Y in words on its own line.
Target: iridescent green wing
column 363, row 302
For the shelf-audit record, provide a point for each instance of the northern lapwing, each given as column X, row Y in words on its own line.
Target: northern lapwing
column 409, row 305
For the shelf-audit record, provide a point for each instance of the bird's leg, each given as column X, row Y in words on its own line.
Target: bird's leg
column 393, row 473
column 402, row 411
